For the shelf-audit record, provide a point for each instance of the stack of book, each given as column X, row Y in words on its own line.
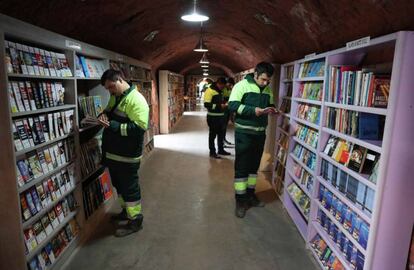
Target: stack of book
column 352, row 86
column 300, row 198
column 312, row 91
column 55, row 247
column 31, row 131
column 306, row 156
column 90, row 106
column 309, row 113
column 96, row 192
column 305, row 178
column 289, row 72
column 89, row 68
column 90, row 157
column 325, row 254
column 311, row 69
column 307, row 135
column 27, row 96
column 23, row 59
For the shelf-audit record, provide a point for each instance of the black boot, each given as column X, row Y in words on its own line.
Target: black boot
column 224, row 153
column 241, row 205
column 253, row 200
column 214, row 155
column 121, row 216
column 133, row 226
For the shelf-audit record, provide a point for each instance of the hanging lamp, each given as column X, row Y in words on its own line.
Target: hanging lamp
column 201, row 47
column 204, row 59
column 195, row 17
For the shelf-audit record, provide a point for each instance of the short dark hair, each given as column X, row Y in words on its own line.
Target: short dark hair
column 264, row 67
column 230, row 81
column 221, row 80
column 111, row 75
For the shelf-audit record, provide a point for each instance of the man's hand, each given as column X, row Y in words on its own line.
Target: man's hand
column 259, row 111
column 271, row 110
column 224, row 106
column 103, row 120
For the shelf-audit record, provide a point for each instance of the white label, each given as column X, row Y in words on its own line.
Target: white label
column 310, row 55
column 73, row 45
column 359, row 43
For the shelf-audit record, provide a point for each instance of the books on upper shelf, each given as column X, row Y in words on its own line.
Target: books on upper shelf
column 32, row 131
column 364, row 126
column 311, row 69
column 306, row 156
column 309, row 113
column 95, row 192
column 301, row 199
column 90, row 106
column 90, row 157
column 289, row 72
column 307, row 135
column 27, row 60
column 88, row 67
column 312, row 91
column 49, row 254
column 29, row 95
column 357, row 192
column 351, row 155
column 352, row 85
column 305, row 178
column 285, row 106
column 325, row 254
column 351, row 222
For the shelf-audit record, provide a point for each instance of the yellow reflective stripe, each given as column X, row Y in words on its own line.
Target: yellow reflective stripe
column 240, row 185
column 250, row 127
column 215, row 114
column 133, row 209
column 241, row 108
column 252, row 180
column 123, row 159
column 124, row 129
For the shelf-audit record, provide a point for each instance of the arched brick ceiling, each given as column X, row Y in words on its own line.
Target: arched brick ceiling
column 239, row 34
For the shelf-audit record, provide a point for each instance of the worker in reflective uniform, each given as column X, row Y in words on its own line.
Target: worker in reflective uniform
column 252, row 100
column 125, row 120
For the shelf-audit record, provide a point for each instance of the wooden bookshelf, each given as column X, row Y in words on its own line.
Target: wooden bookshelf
column 391, row 219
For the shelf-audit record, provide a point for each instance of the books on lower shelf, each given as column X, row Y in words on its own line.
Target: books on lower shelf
column 300, row 198
column 90, row 106
column 309, row 112
column 95, row 192
column 307, row 135
column 305, row 178
column 311, row 69
column 364, row 126
column 25, row 96
column 90, row 157
column 24, row 59
column 355, row 86
column 325, row 254
column 353, row 156
column 306, row 156
column 86, row 67
column 42, row 161
column 357, row 192
column 312, row 91
column 56, row 246
column 285, row 106
column 32, row 131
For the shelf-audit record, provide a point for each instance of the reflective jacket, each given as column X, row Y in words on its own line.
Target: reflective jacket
column 213, row 98
column 128, row 115
column 245, row 96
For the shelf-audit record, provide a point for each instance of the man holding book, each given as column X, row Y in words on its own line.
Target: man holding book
column 252, row 101
column 125, row 120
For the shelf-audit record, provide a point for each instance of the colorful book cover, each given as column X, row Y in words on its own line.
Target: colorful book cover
column 42, row 195
column 35, row 164
column 53, row 219
column 47, row 224
column 39, row 232
column 357, row 158
column 36, row 199
column 28, row 131
column 30, row 239
column 25, row 208
column 49, row 251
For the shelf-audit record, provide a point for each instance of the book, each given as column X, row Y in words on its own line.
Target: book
column 381, row 91
column 48, row 159
column 42, row 195
column 32, row 127
column 14, row 58
column 53, row 219
column 28, row 131
column 18, row 146
column 30, row 239
column 39, row 232
column 12, row 99
column 59, row 212
column 26, row 214
column 47, row 192
column 56, row 188
column 25, row 170
column 370, row 126
column 50, row 121
column 52, row 190
column 371, row 159
column 47, row 225
column 30, row 96
column 36, row 199
column 49, row 251
column 44, row 126
column 39, row 129
column 20, row 180
column 45, row 257
column 21, row 130
column 34, row 60
column 18, row 96
column 357, row 158
column 35, row 164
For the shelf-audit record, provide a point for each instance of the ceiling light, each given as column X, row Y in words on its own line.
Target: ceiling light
column 201, row 47
column 205, row 74
column 194, row 17
column 150, row 37
column 204, row 59
column 204, row 66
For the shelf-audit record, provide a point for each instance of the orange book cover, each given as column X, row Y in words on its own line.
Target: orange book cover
column 106, row 185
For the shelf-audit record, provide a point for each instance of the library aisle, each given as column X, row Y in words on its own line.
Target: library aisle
column 189, row 216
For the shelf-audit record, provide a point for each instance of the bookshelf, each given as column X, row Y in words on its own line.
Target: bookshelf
column 171, row 87
column 47, row 95
column 347, row 104
column 191, row 93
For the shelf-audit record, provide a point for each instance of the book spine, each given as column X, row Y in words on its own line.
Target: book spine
column 24, row 95
column 28, row 132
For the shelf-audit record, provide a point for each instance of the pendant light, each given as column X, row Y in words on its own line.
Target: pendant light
column 205, row 74
column 201, row 47
column 204, row 66
column 195, row 17
column 204, row 59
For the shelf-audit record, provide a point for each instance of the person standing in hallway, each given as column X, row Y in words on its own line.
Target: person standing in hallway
column 125, row 120
column 213, row 101
column 252, row 100
column 226, row 96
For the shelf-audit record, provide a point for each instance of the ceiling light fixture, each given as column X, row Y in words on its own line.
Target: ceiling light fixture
column 205, row 74
column 201, row 47
column 204, row 66
column 194, row 17
column 204, row 59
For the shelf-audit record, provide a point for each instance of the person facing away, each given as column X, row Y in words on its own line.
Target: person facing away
column 125, row 120
column 213, row 101
column 252, row 100
column 226, row 96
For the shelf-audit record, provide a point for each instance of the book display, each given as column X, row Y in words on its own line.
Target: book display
column 350, row 125
column 50, row 161
column 171, row 99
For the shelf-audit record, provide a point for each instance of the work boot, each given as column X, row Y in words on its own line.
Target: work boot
column 214, row 155
column 121, row 216
column 254, row 201
column 241, row 208
column 224, row 153
column 133, row 226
